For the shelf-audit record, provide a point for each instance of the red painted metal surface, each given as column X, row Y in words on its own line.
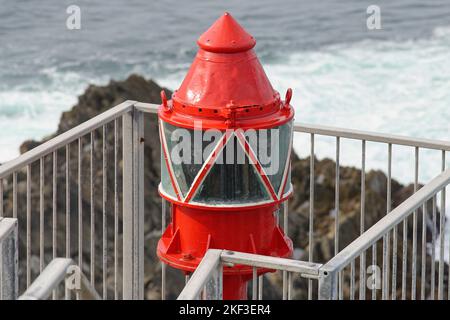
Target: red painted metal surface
column 225, row 88
column 193, row 231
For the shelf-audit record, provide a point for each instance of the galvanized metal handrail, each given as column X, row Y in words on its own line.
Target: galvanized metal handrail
column 52, row 276
column 372, row 136
column 397, row 215
column 65, row 138
column 330, row 270
column 208, row 267
column 363, row 136
column 8, row 259
column 207, row 277
column 132, row 196
column 304, row 268
column 131, row 114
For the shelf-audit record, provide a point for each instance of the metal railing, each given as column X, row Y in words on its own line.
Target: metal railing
column 363, row 136
column 55, row 274
column 358, row 249
column 39, row 204
column 99, row 166
column 391, row 141
column 206, row 281
column 8, row 259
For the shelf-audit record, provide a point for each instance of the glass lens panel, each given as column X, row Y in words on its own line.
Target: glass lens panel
column 166, row 183
column 232, row 179
column 187, row 152
column 272, row 147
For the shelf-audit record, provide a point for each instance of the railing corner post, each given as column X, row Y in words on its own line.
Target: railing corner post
column 133, row 205
column 214, row 287
column 327, row 284
column 9, row 259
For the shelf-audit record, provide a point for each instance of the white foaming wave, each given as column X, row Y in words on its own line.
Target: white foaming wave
column 28, row 115
column 398, row 88
column 442, row 32
column 33, row 110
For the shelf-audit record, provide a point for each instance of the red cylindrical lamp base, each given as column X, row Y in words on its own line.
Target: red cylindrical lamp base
column 194, row 231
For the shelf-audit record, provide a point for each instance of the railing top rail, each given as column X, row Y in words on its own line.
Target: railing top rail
column 372, row 136
column 7, row 226
column 346, row 133
column 65, row 138
column 256, row 260
column 51, row 277
column 384, row 225
column 214, row 257
column 201, row 275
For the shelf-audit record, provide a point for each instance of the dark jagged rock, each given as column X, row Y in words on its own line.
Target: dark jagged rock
column 96, row 100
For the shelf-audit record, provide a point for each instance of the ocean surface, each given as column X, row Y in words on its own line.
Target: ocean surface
column 393, row 80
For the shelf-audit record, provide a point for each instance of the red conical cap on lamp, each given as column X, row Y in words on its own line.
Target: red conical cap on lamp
column 226, row 82
column 226, row 36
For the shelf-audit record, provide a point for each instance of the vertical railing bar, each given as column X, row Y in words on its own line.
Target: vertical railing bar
column 104, row 204
column 385, row 288
column 424, row 257
column 137, row 212
column 28, row 225
column 284, row 285
column 387, row 238
column 374, row 263
column 1, row 198
column 54, row 216
column 260, row 287
column 92, row 209
column 336, row 213
column 163, row 265
column 80, row 208
column 311, row 214
column 442, row 238
column 404, row 256
column 384, row 292
column 41, row 215
column 14, row 194
column 352, row 280
column 442, row 241
column 433, row 249
column 116, row 210
column 128, row 291
column 362, row 267
column 67, row 292
column 395, row 230
column 80, row 213
column 254, row 283
column 443, row 209
column 414, row 244
column 289, row 295
column 394, row 263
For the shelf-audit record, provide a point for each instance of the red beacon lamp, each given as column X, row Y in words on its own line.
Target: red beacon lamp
column 226, row 141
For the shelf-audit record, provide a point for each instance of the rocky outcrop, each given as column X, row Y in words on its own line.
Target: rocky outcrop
column 97, row 99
